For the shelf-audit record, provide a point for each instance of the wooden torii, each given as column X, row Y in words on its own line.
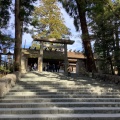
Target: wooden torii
column 52, row 40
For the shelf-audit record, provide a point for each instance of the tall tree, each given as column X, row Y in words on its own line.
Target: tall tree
column 77, row 9
column 23, row 10
column 48, row 21
column 18, row 39
column 105, row 26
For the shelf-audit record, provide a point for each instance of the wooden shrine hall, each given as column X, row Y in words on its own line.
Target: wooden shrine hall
column 54, row 50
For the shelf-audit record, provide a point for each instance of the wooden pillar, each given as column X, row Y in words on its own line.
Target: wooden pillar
column 65, row 58
column 40, row 58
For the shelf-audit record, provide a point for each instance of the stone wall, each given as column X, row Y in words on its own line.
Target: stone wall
column 6, row 83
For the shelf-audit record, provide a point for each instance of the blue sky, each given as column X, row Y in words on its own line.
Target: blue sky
column 68, row 22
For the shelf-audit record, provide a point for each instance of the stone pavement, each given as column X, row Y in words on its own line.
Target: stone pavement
column 54, row 96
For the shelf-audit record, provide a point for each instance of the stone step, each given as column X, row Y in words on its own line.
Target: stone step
column 12, row 100
column 70, row 93
column 48, row 89
column 59, row 104
column 58, row 80
column 61, row 90
column 53, row 93
column 62, row 79
column 63, row 85
column 61, row 96
column 60, row 110
column 55, row 87
column 63, row 93
column 68, row 83
column 20, row 88
column 61, row 117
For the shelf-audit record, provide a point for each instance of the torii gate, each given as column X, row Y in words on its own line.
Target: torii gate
column 52, row 40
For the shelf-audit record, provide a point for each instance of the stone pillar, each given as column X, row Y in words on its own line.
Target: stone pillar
column 40, row 58
column 65, row 58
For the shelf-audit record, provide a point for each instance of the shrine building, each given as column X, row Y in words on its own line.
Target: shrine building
column 52, row 51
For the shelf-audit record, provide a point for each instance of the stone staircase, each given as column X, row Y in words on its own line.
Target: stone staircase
column 53, row 96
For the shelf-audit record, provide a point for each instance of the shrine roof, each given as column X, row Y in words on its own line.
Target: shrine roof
column 53, row 40
column 76, row 55
column 73, row 56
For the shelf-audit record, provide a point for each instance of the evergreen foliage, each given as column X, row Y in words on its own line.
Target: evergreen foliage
column 26, row 8
column 105, row 27
column 6, row 41
column 4, row 12
column 77, row 9
column 48, row 21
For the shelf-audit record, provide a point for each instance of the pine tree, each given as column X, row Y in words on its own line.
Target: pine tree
column 48, row 21
column 104, row 24
column 23, row 10
column 78, row 9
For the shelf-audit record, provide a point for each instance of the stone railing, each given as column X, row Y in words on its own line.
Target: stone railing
column 107, row 77
column 7, row 82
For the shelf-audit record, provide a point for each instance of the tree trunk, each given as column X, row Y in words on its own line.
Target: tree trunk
column 18, row 39
column 85, row 36
column 110, row 61
column 111, row 65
